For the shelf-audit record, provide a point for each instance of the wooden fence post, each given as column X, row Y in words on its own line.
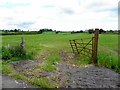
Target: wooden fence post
column 95, row 46
column 22, row 43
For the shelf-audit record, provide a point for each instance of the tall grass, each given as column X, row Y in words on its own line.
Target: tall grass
column 108, row 52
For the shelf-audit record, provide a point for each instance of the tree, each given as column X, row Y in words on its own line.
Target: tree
column 57, row 32
column 15, row 30
column 111, row 31
column 6, row 30
column 40, row 31
column 19, row 30
column 11, row 30
column 81, row 31
column 91, row 31
column 101, row 31
column 72, row 32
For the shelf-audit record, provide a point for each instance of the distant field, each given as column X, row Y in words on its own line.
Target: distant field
column 51, row 44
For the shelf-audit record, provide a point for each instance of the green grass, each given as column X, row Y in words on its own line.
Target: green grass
column 40, row 44
column 0, row 66
column 108, row 52
column 51, row 44
column 47, row 66
column 43, row 41
column 7, row 69
column 83, row 60
column 42, row 82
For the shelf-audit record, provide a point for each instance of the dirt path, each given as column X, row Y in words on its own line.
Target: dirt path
column 71, row 76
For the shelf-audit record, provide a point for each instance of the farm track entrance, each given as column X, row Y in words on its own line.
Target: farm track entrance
column 86, row 46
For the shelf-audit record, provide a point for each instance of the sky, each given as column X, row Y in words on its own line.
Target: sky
column 61, row 15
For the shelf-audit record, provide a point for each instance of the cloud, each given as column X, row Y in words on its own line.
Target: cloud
column 48, row 6
column 68, row 11
column 58, row 14
column 13, row 5
column 25, row 24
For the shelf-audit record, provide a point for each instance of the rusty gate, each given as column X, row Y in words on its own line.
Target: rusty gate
column 86, row 46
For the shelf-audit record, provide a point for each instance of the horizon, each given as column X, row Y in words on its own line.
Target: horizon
column 72, row 15
column 86, row 30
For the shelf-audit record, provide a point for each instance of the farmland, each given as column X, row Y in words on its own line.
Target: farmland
column 51, row 48
column 50, row 45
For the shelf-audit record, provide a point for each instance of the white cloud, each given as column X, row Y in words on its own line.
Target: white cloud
column 58, row 14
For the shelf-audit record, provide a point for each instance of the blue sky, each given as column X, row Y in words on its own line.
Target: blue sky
column 64, row 15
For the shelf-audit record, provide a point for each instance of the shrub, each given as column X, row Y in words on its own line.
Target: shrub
column 15, row 53
column 15, row 59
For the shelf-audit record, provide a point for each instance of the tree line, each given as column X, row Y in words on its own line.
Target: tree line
column 101, row 31
column 19, row 31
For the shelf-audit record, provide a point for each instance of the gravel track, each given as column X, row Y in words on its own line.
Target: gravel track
column 89, row 77
column 71, row 76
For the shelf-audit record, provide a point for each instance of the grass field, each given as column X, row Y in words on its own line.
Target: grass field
column 49, row 45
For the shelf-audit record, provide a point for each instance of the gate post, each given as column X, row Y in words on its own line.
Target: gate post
column 95, row 46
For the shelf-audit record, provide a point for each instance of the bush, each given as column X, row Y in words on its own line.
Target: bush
column 15, row 52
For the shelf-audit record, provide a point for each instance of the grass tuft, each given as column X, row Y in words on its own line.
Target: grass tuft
column 7, row 69
column 49, row 67
column 42, row 82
